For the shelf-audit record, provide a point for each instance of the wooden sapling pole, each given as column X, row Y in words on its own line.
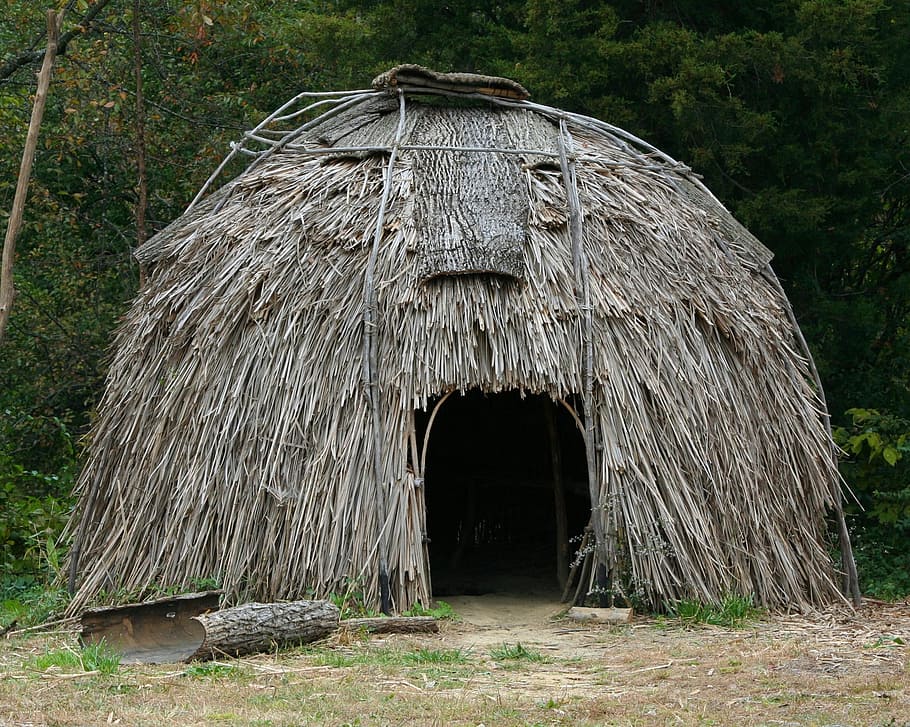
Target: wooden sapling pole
column 603, row 538
column 371, row 370
column 578, row 562
column 7, row 291
column 559, row 497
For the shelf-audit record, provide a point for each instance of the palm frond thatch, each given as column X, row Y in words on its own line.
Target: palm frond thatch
column 258, row 421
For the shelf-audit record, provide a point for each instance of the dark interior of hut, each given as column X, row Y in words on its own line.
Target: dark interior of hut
column 492, row 493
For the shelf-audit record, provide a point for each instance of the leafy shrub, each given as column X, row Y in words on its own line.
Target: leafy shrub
column 34, row 505
column 27, row 601
column 876, row 443
column 878, row 472
column 882, row 558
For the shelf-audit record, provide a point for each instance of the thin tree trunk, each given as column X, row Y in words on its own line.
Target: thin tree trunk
column 142, row 196
column 7, row 291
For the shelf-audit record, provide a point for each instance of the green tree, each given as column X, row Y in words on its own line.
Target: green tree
column 796, row 112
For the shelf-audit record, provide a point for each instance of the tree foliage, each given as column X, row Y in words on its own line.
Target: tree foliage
column 796, row 112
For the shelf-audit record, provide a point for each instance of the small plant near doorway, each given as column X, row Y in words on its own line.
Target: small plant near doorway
column 352, row 601
column 441, row 610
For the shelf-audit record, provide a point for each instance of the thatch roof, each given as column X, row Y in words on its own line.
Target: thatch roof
column 258, row 421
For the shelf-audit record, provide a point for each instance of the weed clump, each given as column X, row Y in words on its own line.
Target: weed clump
column 516, row 652
column 733, row 611
column 441, row 610
column 97, row 657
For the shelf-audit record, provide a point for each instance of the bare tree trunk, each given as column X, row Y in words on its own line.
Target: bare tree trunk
column 7, row 292
column 142, row 192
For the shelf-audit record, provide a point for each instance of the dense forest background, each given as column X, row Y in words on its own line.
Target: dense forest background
column 796, row 112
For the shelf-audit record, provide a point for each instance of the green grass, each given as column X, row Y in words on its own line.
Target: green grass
column 387, row 657
column 210, row 669
column 516, row 652
column 441, row 610
column 732, row 612
column 91, row 657
column 435, row 656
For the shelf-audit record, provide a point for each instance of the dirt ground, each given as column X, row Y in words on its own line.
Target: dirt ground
column 838, row 653
column 834, row 668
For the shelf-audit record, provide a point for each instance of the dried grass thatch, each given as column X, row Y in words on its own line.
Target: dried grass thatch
column 258, row 422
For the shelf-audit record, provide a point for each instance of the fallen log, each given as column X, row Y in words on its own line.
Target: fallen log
column 392, row 625
column 255, row 627
column 162, row 631
column 190, row 626
column 601, row 615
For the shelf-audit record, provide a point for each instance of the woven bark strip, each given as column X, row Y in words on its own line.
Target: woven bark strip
column 470, row 210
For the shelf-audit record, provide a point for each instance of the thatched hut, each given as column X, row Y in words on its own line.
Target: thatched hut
column 441, row 326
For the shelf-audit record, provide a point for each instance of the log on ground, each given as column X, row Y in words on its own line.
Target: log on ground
column 256, row 627
column 392, row 625
column 161, row 631
column 601, row 615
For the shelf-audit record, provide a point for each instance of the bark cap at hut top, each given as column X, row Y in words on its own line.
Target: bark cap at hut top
column 411, row 77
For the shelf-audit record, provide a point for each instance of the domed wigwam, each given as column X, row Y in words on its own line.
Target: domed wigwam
column 442, row 328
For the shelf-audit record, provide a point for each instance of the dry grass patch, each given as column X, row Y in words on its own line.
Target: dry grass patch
column 830, row 669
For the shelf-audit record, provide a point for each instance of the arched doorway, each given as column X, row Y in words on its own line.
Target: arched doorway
column 506, row 488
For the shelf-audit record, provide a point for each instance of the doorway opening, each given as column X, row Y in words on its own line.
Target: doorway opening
column 502, row 471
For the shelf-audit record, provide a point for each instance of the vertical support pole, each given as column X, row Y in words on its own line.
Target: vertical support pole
column 603, row 542
column 559, row 495
column 425, row 595
column 371, row 371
